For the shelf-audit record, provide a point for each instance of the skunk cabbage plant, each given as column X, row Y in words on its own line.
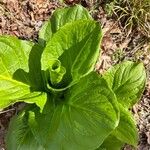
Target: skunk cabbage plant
column 69, row 106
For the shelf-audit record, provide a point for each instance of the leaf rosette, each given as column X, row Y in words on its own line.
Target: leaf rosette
column 70, row 106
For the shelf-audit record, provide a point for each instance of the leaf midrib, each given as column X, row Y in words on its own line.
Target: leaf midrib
column 13, row 81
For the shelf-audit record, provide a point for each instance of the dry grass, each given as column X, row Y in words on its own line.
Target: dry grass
column 132, row 14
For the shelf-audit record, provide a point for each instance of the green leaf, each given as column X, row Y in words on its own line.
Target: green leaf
column 80, row 119
column 127, row 81
column 111, row 143
column 126, row 130
column 76, row 45
column 36, row 75
column 59, row 18
column 12, row 91
column 19, row 136
column 14, row 80
column 14, row 53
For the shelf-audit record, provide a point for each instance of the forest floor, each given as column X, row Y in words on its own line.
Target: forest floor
column 23, row 18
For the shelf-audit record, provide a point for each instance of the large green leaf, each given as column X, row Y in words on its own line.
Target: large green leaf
column 37, row 81
column 111, row 143
column 127, row 81
column 19, row 135
column 126, row 130
column 59, row 18
column 80, row 119
column 76, row 45
column 14, row 79
column 14, row 53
